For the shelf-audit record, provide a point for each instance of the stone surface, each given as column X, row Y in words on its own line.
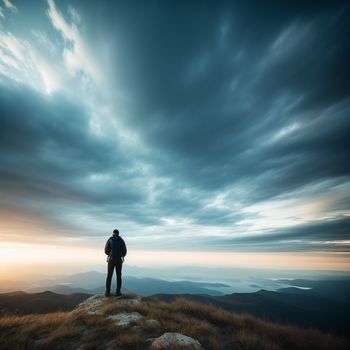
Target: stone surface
column 168, row 340
column 92, row 304
column 135, row 301
column 95, row 312
column 123, row 319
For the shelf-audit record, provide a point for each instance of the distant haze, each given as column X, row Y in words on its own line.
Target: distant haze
column 211, row 134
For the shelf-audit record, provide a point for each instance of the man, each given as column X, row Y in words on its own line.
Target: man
column 116, row 250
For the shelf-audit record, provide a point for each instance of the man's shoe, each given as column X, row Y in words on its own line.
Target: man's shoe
column 118, row 294
column 107, row 294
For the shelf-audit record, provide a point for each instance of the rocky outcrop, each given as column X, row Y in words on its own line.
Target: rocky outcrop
column 91, row 305
column 170, row 340
column 123, row 319
column 95, row 306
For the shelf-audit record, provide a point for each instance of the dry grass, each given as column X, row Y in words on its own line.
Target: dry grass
column 37, row 331
column 216, row 329
column 127, row 341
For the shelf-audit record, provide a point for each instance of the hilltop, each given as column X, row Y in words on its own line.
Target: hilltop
column 134, row 322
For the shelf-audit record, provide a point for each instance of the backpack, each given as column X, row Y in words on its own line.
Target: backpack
column 116, row 251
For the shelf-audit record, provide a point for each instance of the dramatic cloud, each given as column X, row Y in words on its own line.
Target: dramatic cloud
column 10, row 6
column 220, row 126
column 327, row 235
column 76, row 55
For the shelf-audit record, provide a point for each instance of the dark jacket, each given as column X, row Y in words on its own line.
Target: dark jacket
column 115, row 247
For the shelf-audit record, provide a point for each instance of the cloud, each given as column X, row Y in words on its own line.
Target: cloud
column 49, row 139
column 214, row 126
column 76, row 54
column 21, row 62
column 43, row 39
column 216, row 134
column 8, row 4
column 60, row 164
column 325, row 235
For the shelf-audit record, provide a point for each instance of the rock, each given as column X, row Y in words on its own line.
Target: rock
column 132, row 301
column 124, row 319
column 168, row 340
column 150, row 340
column 95, row 312
column 91, row 303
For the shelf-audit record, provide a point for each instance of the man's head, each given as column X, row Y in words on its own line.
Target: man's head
column 116, row 232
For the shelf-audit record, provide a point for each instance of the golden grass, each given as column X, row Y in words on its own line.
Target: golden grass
column 36, row 331
column 127, row 341
column 215, row 328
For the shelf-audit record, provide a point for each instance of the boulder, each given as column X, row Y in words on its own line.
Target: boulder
column 168, row 340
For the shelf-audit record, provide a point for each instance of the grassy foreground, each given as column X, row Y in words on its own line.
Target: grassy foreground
column 214, row 328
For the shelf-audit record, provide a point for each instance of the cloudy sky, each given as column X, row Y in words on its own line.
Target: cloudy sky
column 191, row 126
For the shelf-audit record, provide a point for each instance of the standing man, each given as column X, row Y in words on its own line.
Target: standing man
column 116, row 250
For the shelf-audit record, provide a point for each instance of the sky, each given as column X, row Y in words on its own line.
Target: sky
column 207, row 132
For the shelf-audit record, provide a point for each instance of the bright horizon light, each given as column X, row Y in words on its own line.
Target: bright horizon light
column 50, row 259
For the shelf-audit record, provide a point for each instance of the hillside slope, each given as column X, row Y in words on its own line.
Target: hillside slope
column 295, row 307
column 38, row 303
column 136, row 323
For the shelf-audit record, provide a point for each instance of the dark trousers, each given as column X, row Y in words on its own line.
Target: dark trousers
column 117, row 264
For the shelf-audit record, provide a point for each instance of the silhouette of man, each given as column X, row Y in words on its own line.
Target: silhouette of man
column 116, row 250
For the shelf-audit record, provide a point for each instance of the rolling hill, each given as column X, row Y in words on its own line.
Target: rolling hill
column 38, row 303
column 299, row 308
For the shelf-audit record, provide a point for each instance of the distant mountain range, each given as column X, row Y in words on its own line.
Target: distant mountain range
column 338, row 289
column 141, row 286
column 94, row 282
column 292, row 306
column 324, row 304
